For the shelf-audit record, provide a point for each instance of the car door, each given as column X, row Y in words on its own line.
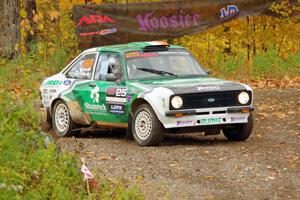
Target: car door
column 82, row 73
column 108, row 97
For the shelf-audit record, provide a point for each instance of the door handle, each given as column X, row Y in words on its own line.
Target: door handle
column 92, row 84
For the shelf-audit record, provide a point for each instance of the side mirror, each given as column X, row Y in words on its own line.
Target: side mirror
column 111, row 77
column 207, row 71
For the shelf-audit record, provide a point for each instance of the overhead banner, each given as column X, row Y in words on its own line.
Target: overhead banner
column 107, row 24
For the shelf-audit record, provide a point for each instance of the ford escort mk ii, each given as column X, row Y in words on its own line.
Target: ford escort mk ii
column 148, row 89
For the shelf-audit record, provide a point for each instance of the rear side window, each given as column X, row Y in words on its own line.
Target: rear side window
column 83, row 68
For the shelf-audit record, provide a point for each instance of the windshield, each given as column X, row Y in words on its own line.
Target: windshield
column 174, row 62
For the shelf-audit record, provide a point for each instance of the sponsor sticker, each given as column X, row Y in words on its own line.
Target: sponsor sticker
column 101, row 32
column 186, row 122
column 116, row 99
column 53, row 83
column 137, row 54
column 92, row 108
column 164, row 105
column 207, row 88
column 229, row 11
column 97, row 20
column 95, row 96
column 67, row 82
column 116, row 109
column 174, row 53
column 237, row 119
column 129, row 98
column 52, row 91
column 111, row 91
column 108, row 31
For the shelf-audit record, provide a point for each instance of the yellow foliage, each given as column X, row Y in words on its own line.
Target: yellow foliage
column 246, row 37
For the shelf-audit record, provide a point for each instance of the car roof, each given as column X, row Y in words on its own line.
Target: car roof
column 133, row 46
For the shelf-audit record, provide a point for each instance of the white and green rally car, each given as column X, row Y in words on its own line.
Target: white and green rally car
column 147, row 88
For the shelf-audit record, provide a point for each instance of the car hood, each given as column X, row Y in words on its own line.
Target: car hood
column 189, row 85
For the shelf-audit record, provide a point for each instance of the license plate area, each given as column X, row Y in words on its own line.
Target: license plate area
column 211, row 121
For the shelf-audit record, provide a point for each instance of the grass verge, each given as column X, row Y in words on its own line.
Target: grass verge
column 30, row 169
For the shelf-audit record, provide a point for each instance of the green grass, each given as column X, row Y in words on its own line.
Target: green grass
column 273, row 66
column 29, row 169
column 263, row 66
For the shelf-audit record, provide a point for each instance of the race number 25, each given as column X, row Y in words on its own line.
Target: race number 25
column 121, row 92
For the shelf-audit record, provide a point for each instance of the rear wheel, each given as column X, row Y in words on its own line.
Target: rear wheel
column 240, row 132
column 146, row 128
column 62, row 121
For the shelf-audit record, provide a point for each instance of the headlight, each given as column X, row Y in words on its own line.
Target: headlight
column 176, row 102
column 243, row 97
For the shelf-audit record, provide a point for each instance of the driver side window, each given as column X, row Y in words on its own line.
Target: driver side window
column 108, row 64
column 83, row 69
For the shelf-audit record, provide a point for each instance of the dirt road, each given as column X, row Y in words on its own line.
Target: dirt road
column 266, row 166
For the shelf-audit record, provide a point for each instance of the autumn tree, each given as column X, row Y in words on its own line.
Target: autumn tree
column 9, row 27
column 30, row 10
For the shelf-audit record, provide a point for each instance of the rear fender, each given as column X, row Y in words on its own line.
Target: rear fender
column 77, row 115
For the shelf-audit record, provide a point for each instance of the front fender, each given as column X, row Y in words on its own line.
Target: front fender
column 158, row 98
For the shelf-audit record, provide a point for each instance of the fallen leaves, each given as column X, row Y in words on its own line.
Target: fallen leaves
column 279, row 115
column 237, row 168
column 283, row 83
column 102, row 157
column 209, row 178
column 271, row 177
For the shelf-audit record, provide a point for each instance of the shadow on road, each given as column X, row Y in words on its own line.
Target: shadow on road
column 194, row 139
column 169, row 139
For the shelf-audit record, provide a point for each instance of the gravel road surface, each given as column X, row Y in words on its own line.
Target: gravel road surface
column 190, row 166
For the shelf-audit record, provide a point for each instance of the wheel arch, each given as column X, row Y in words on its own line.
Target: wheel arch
column 75, row 111
column 137, row 103
column 141, row 101
column 53, row 104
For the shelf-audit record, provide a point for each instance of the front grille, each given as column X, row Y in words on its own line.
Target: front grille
column 201, row 100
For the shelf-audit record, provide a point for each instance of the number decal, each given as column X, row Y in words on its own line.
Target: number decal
column 121, row 92
column 116, row 95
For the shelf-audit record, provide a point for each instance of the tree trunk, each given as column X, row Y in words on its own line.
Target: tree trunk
column 30, row 8
column 9, row 27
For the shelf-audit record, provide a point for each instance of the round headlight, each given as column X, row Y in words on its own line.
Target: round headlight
column 243, row 97
column 176, row 102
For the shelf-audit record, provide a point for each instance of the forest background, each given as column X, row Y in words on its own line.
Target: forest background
column 42, row 40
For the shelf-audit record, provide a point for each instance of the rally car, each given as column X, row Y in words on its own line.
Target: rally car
column 148, row 89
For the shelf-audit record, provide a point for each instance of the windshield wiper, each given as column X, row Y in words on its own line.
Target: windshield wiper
column 159, row 72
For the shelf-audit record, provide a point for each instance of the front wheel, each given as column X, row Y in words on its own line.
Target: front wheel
column 146, row 128
column 61, row 120
column 240, row 132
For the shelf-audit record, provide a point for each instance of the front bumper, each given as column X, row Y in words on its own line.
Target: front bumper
column 243, row 109
column 207, row 117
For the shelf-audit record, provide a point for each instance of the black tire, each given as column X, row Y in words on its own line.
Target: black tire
column 241, row 132
column 129, row 135
column 155, row 130
column 70, row 126
column 48, row 117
